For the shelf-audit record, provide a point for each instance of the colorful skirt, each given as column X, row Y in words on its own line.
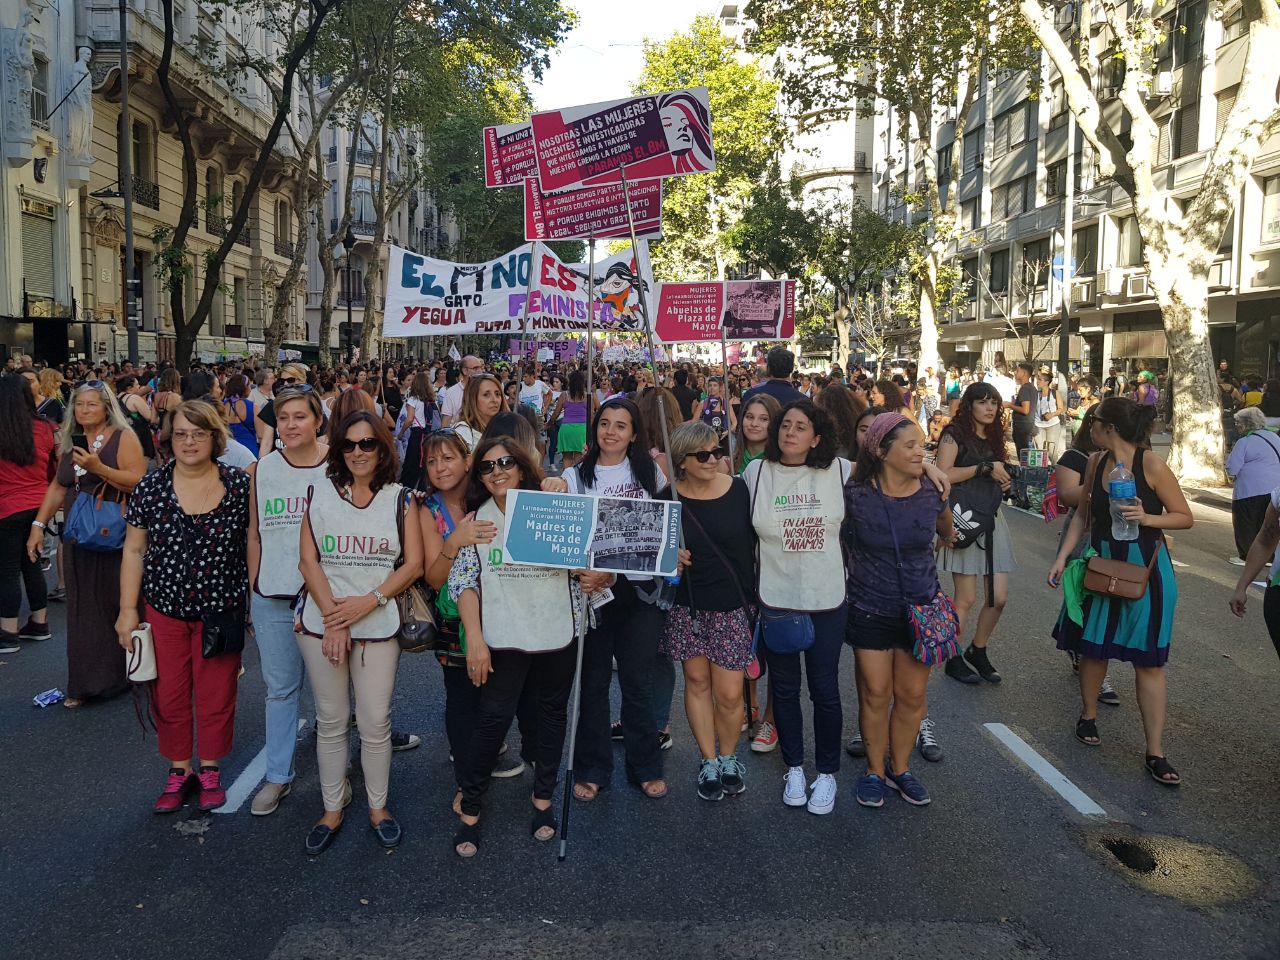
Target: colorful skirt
column 723, row 637
column 1135, row 631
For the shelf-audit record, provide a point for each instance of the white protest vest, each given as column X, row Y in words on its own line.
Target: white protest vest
column 358, row 549
column 281, row 489
column 521, row 607
column 797, row 512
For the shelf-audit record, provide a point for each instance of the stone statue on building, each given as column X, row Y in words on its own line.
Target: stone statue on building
column 79, row 109
column 19, row 71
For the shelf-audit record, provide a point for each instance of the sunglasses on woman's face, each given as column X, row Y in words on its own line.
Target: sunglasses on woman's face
column 705, row 456
column 486, row 467
column 289, row 381
column 366, row 445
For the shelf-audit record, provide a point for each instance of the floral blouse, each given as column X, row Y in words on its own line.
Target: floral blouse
column 194, row 564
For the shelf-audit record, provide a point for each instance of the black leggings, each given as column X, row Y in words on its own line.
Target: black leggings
column 16, row 566
column 1271, row 613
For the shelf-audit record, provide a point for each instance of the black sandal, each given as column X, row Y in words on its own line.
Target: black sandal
column 1087, row 732
column 1160, row 768
column 541, row 819
column 467, row 833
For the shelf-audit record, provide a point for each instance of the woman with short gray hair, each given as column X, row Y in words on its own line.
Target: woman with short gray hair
column 1255, row 465
column 709, row 628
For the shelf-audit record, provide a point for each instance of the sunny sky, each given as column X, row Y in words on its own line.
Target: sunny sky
column 603, row 56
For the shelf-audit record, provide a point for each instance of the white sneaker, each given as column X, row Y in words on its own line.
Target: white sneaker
column 793, row 791
column 823, row 799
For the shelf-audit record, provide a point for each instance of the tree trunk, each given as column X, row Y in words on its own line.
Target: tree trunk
column 324, row 336
column 371, row 334
column 275, row 332
column 1197, row 454
column 929, row 307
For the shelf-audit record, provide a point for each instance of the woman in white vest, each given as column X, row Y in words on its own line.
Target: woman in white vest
column 797, row 507
column 350, row 544
column 520, row 624
column 277, row 501
column 618, row 464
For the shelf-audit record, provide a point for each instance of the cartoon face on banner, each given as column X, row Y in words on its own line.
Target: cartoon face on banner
column 618, row 281
column 686, row 123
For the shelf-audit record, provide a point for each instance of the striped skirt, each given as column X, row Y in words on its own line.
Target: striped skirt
column 1135, row 631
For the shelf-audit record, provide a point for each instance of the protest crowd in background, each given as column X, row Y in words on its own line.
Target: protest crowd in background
column 819, row 510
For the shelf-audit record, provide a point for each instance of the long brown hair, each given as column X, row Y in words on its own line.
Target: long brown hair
column 965, row 428
column 530, row 473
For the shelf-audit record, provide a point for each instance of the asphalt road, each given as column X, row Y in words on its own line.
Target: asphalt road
column 1000, row 865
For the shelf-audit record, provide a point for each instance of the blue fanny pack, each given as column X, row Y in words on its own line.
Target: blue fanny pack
column 785, row 631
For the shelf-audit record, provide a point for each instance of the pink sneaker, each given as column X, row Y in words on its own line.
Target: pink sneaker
column 212, row 795
column 766, row 738
column 176, row 789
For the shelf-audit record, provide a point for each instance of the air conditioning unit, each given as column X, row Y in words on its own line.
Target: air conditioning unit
column 1162, row 85
column 1084, row 292
column 1138, row 285
column 1220, row 275
column 1113, row 282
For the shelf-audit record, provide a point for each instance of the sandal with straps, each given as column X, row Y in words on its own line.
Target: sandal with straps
column 1087, row 732
column 467, row 833
column 543, row 819
column 1160, row 770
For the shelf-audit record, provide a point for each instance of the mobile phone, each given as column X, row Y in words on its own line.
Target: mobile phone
column 81, row 441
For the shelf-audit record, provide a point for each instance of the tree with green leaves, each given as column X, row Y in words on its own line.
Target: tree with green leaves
column 1180, row 241
column 698, row 212
column 923, row 58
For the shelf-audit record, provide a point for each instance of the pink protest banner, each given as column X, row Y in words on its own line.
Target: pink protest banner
column 562, row 349
column 652, row 135
column 747, row 309
column 508, row 155
column 599, row 212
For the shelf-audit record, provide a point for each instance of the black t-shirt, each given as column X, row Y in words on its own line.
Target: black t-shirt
column 686, row 397
column 1027, row 393
column 727, row 521
column 268, row 414
column 1076, row 460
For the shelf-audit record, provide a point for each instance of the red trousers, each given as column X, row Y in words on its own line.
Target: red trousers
column 182, row 671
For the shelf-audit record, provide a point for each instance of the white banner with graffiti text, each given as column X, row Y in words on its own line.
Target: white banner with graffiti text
column 428, row 297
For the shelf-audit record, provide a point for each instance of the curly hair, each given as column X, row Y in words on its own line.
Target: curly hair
column 964, row 428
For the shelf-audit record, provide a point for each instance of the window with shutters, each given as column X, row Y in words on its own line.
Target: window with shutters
column 1111, row 74
column 969, row 277
column 944, row 163
column 1084, row 243
column 1012, row 128
column 37, row 252
column 1013, row 198
column 1164, row 138
column 973, row 149
column 1035, row 263
column 1190, row 32
column 970, row 213
column 1235, row 24
column 1226, row 103
column 1186, row 130
column 1129, row 253
column 1055, row 180
column 999, row 271
column 1057, row 105
column 1271, row 210
column 40, row 94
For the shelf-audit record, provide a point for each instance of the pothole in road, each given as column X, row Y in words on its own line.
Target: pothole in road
column 1194, row 873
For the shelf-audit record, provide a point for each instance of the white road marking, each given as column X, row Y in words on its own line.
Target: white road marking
column 1179, row 563
column 1046, row 771
column 249, row 778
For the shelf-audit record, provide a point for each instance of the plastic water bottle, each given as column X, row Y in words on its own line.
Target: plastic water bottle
column 1123, row 491
column 667, row 592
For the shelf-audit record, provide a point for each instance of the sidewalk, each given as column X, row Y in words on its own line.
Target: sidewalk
column 1218, row 497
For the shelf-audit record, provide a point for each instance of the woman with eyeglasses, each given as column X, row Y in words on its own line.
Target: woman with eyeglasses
column 278, row 499
column 708, row 628
column 184, row 562
column 482, row 400
column 353, row 535
column 520, row 624
column 618, row 464
column 99, row 454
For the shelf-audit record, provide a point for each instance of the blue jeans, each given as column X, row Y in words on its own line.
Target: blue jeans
column 822, row 667
column 282, row 673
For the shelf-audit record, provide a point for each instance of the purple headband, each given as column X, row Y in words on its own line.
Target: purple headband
column 883, row 425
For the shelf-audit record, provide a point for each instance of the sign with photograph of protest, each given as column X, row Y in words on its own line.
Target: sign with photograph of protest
column 576, row 531
column 747, row 309
column 508, row 155
column 428, row 297
column 598, row 212
column 652, row 135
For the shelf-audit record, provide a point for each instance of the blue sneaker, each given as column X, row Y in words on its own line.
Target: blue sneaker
column 870, row 791
column 731, row 776
column 911, row 789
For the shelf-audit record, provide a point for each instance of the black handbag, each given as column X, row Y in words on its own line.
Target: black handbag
column 222, row 633
column 419, row 630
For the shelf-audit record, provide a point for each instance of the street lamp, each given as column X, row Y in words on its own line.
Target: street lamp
column 348, row 241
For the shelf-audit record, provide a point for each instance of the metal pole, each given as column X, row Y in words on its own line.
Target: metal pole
column 348, row 338
column 1068, row 264
column 528, row 294
column 126, row 187
column 586, row 603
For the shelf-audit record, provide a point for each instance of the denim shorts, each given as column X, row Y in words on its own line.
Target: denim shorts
column 871, row 631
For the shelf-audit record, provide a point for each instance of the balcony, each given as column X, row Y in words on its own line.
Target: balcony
column 215, row 223
column 146, row 193
column 242, row 237
column 361, row 228
column 284, row 248
column 357, row 301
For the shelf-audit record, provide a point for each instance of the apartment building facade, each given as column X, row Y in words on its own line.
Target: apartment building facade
column 1011, row 210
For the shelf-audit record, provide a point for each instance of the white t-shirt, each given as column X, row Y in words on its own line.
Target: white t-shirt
column 237, row 454
column 535, row 396
column 452, row 404
column 1007, row 386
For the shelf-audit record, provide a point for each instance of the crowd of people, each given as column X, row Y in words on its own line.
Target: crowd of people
column 302, row 510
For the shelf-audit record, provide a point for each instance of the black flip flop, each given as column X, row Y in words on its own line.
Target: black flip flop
column 1087, row 732
column 542, row 818
column 467, row 833
column 1159, row 768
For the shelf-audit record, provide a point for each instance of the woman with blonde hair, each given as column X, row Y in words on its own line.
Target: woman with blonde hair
column 291, row 375
column 99, row 454
column 187, row 525
column 49, row 403
column 482, row 400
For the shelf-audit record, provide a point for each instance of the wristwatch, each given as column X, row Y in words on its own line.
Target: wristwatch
column 377, row 595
